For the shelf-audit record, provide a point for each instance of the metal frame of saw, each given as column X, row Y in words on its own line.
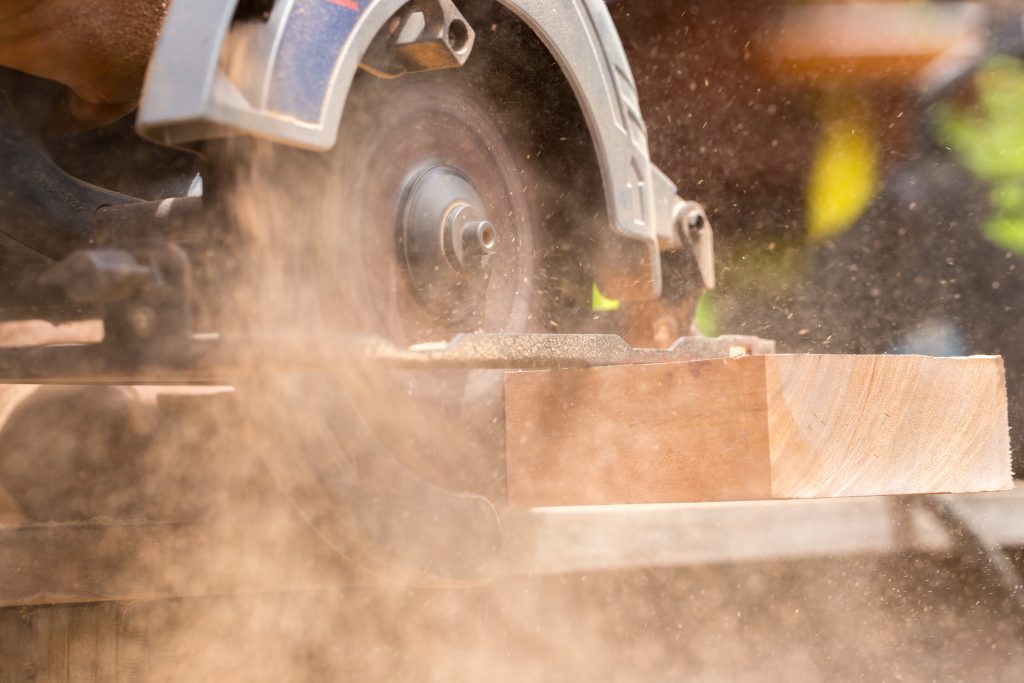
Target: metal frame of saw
column 287, row 78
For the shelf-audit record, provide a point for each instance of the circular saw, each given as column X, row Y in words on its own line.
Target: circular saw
column 372, row 210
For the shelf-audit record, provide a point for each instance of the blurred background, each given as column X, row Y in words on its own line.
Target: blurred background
column 863, row 165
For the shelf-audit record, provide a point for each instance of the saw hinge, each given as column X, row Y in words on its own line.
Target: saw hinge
column 683, row 226
column 691, row 224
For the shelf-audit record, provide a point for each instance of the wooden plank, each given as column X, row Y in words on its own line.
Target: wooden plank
column 14, row 633
column 871, row 42
column 51, row 630
column 858, row 426
column 760, row 427
column 623, row 537
column 91, row 562
column 538, row 541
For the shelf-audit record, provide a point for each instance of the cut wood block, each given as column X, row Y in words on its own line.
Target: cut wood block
column 759, row 427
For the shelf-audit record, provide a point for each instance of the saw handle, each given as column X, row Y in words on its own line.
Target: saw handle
column 44, row 208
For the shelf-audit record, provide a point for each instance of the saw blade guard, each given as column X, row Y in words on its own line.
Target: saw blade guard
column 286, row 76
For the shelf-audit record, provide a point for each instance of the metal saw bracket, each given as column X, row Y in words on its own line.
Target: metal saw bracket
column 287, row 79
column 425, row 35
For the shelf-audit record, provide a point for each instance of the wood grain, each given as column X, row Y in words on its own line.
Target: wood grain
column 762, row 427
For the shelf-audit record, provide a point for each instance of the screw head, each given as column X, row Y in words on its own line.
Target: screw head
column 473, row 239
column 479, row 238
column 696, row 221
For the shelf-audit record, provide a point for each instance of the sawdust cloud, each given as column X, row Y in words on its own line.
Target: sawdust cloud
column 263, row 598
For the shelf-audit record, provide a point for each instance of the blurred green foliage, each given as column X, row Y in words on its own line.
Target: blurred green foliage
column 988, row 137
column 844, row 177
column 599, row 303
column 706, row 319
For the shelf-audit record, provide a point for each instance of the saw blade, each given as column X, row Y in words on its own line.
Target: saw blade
column 332, row 236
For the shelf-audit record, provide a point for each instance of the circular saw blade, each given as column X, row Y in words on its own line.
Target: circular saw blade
column 348, row 446
column 393, row 130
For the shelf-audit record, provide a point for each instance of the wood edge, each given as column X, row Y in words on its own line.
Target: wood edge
column 1008, row 484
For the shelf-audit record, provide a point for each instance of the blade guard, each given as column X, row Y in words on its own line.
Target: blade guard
column 287, row 79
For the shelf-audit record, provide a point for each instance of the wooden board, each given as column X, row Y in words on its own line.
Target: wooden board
column 870, row 42
column 760, row 427
column 44, row 564
column 606, row 538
